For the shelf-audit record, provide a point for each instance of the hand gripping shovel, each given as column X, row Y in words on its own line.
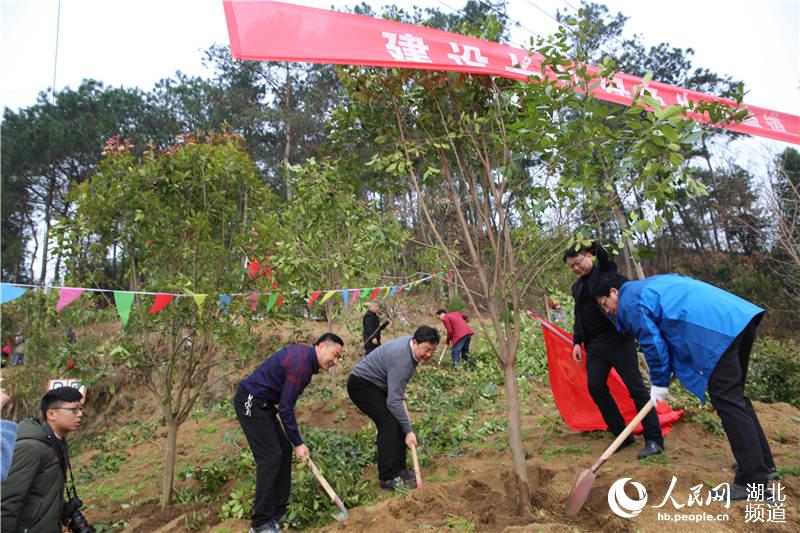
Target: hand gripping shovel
column 334, row 498
column 414, row 457
column 441, row 355
column 579, row 493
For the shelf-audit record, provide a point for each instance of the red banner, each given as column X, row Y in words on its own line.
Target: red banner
column 263, row 30
column 571, row 390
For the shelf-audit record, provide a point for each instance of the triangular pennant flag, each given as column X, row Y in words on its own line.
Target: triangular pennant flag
column 391, row 292
column 199, row 300
column 161, row 301
column 253, row 269
column 356, row 292
column 327, row 296
column 314, row 296
column 123, row 300
column 374, row 294
column 273, row 297
column 364, row 294
column 345, row 297
column 224, row 301
column 278, row 302
column 9, row 292
column 253, row 300
column 66, row 296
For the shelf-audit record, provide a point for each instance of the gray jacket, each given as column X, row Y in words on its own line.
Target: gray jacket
column 390, row 367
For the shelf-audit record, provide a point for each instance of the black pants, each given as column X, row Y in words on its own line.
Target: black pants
column 273, row 455
column 368, row 347
column 617, row 351
column 726, row 390
column 371, row 401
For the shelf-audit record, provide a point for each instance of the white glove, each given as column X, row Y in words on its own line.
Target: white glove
column 660, row 394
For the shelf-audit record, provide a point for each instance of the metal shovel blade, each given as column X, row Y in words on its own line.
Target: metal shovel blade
column 341, row 516
column 580, row 492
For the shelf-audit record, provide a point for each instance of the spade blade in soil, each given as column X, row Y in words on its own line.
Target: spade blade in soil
column 579, row 493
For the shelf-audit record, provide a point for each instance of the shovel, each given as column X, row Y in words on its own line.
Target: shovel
column 579, row 493
column 334, row 498
column 444, row 348
column 414, row 457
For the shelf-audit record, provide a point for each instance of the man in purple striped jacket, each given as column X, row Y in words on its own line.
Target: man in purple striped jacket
column 270, row 392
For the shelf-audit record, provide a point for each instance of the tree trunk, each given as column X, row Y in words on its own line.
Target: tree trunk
column 287, row 148
column 47, row 211
column 515, row 439
column 169, row 463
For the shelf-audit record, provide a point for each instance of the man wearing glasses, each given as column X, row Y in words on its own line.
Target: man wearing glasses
column 377, row 386
column 33, row 493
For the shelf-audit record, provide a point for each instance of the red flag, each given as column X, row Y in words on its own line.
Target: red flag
column 162, row 300
column 314, row 296
column 287, row 32
column 253, row 269
column 374, row 294
column 571, row 392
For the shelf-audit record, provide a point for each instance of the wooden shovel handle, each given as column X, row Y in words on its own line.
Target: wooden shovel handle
column 622, row 436
column 417, row 472
column 322, row 480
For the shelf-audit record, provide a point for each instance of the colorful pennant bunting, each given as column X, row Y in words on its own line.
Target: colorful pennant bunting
column 66, row 296
column 314, row 296
column 327, row 296
column 271, row 302
column 9, row 292
column 123, row 300
column 161, row 301
column 224, row 302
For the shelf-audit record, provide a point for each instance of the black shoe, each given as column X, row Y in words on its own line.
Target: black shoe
column 631, row 440
column 772, row 473
column 651, row 448
column 740, row 492
column 398, row 483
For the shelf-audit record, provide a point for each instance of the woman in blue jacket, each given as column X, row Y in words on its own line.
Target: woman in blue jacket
column 702, row 335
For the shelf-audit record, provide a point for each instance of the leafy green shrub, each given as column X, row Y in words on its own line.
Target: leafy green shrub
column 774, row 373
column 710, row 422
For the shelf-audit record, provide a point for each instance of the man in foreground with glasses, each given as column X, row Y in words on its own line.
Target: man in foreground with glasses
column 33, row 493
column 377, row 386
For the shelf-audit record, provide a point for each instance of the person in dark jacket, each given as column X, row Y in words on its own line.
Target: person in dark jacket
column 33, row 493
column 371, row 328
column 377, row 387
column 269, row 393
column 703, row 335
column 606, row 348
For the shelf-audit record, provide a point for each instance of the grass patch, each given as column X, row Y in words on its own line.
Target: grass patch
column 564, row 450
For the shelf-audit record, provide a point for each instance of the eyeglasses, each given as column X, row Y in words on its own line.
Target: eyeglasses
column 74, row 410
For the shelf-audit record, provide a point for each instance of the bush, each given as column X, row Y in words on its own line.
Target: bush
column 774, row 373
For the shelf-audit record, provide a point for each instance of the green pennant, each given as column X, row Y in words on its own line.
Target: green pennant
column 273, row 297
column 123, row 300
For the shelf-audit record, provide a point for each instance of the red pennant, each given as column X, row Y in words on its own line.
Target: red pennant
column 253, row 269
column 314, row 296
column 278, row 302
column 162, row 300
column 374, row 294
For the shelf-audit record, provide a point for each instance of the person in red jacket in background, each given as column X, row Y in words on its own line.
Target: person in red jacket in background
column 458, row 333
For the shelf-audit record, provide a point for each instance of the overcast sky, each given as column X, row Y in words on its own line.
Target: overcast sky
column 135, row 43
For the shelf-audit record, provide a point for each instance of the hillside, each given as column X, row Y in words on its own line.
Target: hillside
column 460, row 418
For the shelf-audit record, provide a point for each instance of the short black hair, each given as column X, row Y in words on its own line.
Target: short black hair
column 329, row 337
column 441, row 311
column 611, row 280
column 426, row 334
column 57, row 397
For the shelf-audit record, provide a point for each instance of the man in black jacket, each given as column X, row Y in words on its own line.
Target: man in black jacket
column 606, row 348
column 33, row 493
column 371, row 323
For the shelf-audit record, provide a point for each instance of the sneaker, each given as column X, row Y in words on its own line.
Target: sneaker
column 651, row 448
column 398, row 483
column 631, row 440
column 409, row 478
column 772, row 473
column 268, row 527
